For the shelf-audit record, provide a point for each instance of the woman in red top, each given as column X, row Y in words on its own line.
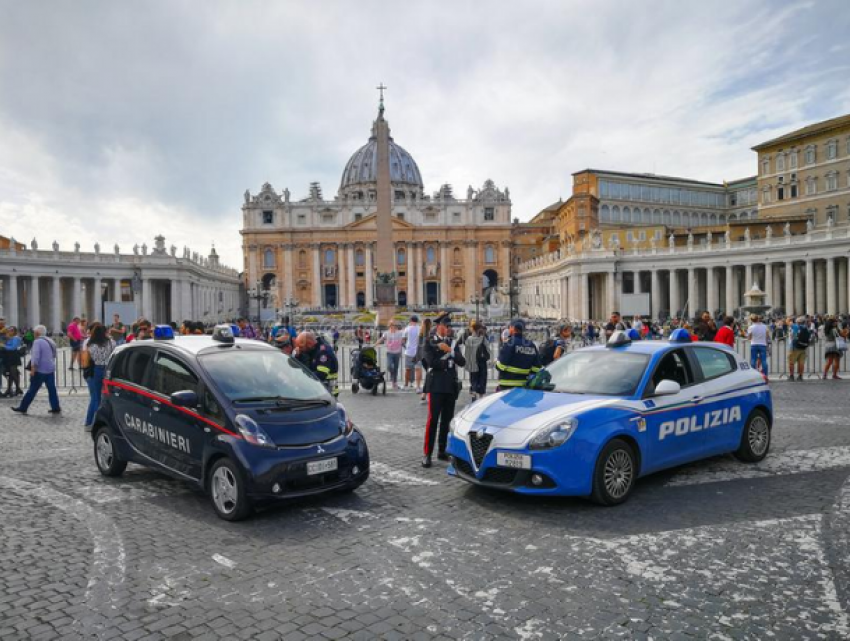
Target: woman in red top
column 726, row 334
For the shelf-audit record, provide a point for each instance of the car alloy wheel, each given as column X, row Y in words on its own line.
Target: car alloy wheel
column 225, row 490
column 105, row 455
column 758, row 436
column 619, row 474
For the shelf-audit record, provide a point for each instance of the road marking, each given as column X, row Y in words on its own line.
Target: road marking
column 223, row 560
column 813, row 420
column 393, row 476
column 784, row 463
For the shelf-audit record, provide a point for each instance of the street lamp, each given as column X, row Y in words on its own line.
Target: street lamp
column 260, row 295
column 289, row 306
column 510, row 290
column 476, row 299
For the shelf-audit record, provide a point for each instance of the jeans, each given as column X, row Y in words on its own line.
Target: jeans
column 757, row 351
column 392, row 365
column 95, row 384
column 39, row 379
column 478, row 380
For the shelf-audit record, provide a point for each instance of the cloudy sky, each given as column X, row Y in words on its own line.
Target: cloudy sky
column 120, row 120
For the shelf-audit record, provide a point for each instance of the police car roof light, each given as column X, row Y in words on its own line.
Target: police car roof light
column 223, row 334
column 235, row 329
column 163, row 333
column 618, row 339
column 680, row 335
column 633, row 334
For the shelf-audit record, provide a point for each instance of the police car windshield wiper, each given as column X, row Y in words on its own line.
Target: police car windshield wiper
column 283, row 401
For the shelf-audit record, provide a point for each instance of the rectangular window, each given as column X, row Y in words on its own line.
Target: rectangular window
column 642, row 235
column 832, row 182
column 793, row 158
column 674, row 196
column 794, row 190
column 832, row 150
column 656, row 194
column 489, row 213
column 780, row 162
column 780, row 193
column 765, row 166
column 268, row 217
column 635, row 189
column 302, row 219
column 645, row 192
column 733, row 200
column 665, row 195
column 810, row 155
column 603, row 189
column 358, row 217
column 629, row 236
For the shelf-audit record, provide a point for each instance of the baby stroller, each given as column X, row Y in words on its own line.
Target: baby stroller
column 365, row 372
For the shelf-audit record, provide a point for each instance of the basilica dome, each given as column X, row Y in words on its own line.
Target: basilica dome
column 362, row 167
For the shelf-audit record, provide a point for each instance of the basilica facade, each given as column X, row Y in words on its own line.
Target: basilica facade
column 318, row 252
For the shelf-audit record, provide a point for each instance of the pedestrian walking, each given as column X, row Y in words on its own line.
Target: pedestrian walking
column 799, row 338
column 75, row 338
column 98, row 349
column 757, row 333
column 393, row 338
column 43, row 370
column 834, row 347
column 477, row 355
column 411, row 347
column 13, row 349
column 442, row 386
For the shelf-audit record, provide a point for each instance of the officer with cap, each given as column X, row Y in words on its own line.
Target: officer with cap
column 518, row 358
column 441, row 385
column 318, row 356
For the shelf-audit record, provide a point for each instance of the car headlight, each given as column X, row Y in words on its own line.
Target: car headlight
column 553, row 435
column 252, row 432
column 345, row 423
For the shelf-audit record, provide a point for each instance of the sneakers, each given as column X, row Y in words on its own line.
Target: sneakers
column 56, row 411
column 418, row 390
column 19, row 410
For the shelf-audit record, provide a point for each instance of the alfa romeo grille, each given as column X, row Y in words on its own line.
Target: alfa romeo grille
column 501, row 475
column 463, row 467
column 479, row 445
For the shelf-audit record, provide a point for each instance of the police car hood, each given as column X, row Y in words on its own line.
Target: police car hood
column 527, row 410
column 292, row 428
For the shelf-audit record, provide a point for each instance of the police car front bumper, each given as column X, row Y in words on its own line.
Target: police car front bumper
column 286, row 473
column 552, row 472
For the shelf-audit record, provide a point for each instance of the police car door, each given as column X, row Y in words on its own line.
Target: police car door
column 179, row 431
column 130, row 398
column 672, row 437
column 722, row 417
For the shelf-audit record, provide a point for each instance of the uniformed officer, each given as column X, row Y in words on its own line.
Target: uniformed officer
column 319, row 357
column 441, row 385
column 518, row 358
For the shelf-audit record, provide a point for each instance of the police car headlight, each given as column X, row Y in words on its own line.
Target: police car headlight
column 252, row 432
column 553, row 435
column 345, row 423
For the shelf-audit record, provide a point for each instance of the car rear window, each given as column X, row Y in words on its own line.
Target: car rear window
column 132, row 365
column 170, row 375
column 714, row 362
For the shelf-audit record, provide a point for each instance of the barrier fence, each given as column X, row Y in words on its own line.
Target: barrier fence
column 72, row 380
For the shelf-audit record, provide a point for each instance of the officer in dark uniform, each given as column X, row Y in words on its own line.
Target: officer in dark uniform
column 518, row 358
column 441, row 385
column 318, row 356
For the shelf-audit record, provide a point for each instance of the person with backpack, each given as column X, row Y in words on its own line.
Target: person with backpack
column 799, row 339
column 477, row 354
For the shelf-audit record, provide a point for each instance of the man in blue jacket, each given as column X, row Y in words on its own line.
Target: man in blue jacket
column 518, row 358
column 43, row 370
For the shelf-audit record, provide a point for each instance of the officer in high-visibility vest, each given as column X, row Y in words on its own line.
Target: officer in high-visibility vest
column 518, row 358
column 318, row 355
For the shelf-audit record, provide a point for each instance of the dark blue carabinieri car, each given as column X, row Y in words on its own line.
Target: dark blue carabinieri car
column 236, row 417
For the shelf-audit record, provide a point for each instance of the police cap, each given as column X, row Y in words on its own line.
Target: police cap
column 443, row 319
column 518, row 323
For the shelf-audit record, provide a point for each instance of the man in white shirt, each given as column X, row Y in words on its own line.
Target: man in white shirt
column 757, row 333
column 411, row 345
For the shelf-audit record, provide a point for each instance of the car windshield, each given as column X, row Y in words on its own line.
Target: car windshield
column 255, row 375
column 609, row 372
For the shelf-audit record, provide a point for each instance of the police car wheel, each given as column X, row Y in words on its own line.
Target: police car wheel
column 755, row 439
column 615, row 473
column 105, row 455
column 355, row 388
column 227, row 491
column 375, row 390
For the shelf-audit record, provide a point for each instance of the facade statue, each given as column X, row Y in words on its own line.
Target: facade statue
column 786, row 230
column 247, row 196
column 117, row 249
column 671, row 241
column 727, row 239
column 286, row 194
column 136, row 249
column 769, row 233
column 34, row 244
column 55, row 246
column 596, row 241
column 709, row 238
column 174, row 250
column 96, row 247
column 507, row 194
column 469, row 193
column 690, row 240
column 144, row 249
column 830, row 220
column 747, row 234
column 810, row 225
column 77, row 247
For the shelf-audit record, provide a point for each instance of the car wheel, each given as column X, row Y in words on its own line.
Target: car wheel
column 384, row 389
column 105, row 454
column 375, row 389
column 227, row 491
column 355, row 388
column 755, row 439
column 615, row 473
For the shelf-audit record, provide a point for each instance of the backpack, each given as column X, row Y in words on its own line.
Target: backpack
column 547, row 351
column 803, row 338
column 482, row 354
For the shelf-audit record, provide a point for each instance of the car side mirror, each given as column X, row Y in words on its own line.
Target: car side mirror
column 185, row 398
column 667, row 388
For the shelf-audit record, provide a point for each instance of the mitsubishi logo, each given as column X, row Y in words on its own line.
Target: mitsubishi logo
column 319, row 449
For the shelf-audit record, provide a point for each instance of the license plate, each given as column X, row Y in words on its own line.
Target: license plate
column 516, row 461
column 320, row 467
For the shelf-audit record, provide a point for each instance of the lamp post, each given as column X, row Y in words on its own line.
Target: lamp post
column 476, row 299
column 258, row 294
column 289, row 306
column 510, row 290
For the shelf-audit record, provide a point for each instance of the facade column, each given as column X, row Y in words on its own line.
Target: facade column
column 147, row 308
column 317, row 275
column 56, row 305
column 810, row 286
column 674, row 293
column 471, row 272
column 820, row 287
column 34, row 302
column 420, row 280
column 97, row 299
column 370, row 276
column 748, row 279
column 76, row 307
column 789, row 289
column 831, row 302
column 12, row 308
column 352, row 283
column 287, row 272
column 692, row 292
column 711, row 301
column 842, row 287
column 410, row 268
column 768, row 284
column 445, row 270
column 730, row 299
column 654, row 294
column 176, row 301
column 586, row 313
column 611, row 291
column 799, row 291
column 339, row 255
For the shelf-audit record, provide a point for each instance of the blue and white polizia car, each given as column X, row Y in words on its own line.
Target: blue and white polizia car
column 596, row 419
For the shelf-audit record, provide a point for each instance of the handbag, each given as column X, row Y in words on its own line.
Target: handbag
column 841, row 344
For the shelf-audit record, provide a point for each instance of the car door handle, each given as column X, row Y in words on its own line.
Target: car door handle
column 697, row 399
column 156, row 406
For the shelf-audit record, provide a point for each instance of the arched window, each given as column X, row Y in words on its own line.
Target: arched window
column 456, row 254
column 302, row 259
column 400, row 257
column 489, row 254
column 268, row 258
column 330, row 257
column 615, row 214
column 665, row 217
column 627, row 215
column 430, row 255
column 646, row 217
column 604, row 213
column 677, row 218
column 359, row 258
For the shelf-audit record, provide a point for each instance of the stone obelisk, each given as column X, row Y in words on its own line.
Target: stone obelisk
column 386, row 277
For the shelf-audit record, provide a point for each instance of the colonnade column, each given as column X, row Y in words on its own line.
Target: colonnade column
column 317, row 276
column 147, row 308
column 56, row 305
column 611, row 291
column 340, row 275
column 730, row 300
column 711, row 290
column 842, row 286
column 411, row 273
column 97, row 299
column 691, row 299
column 76, row 310
column 352, row 283
column 820, row 287
column 585, row 297
column 674, row 293
column 34, row 302
column 116, row 290
column 12, row 296
column 831, row 302
column 748, row 279
column 370, row 276
column 799, row 293
column 810, row 286
column 287, row 271
column 177, row 314
column 789, row 289
column 420, row 280
column 768, row 284
column 654, row 295
column 445, row 294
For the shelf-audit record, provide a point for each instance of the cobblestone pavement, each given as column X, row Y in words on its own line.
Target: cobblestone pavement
column 716, row 550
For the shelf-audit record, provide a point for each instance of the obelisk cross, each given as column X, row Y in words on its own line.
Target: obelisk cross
column 381, row 88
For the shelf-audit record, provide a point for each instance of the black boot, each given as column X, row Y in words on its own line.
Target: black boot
column 426, row 461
